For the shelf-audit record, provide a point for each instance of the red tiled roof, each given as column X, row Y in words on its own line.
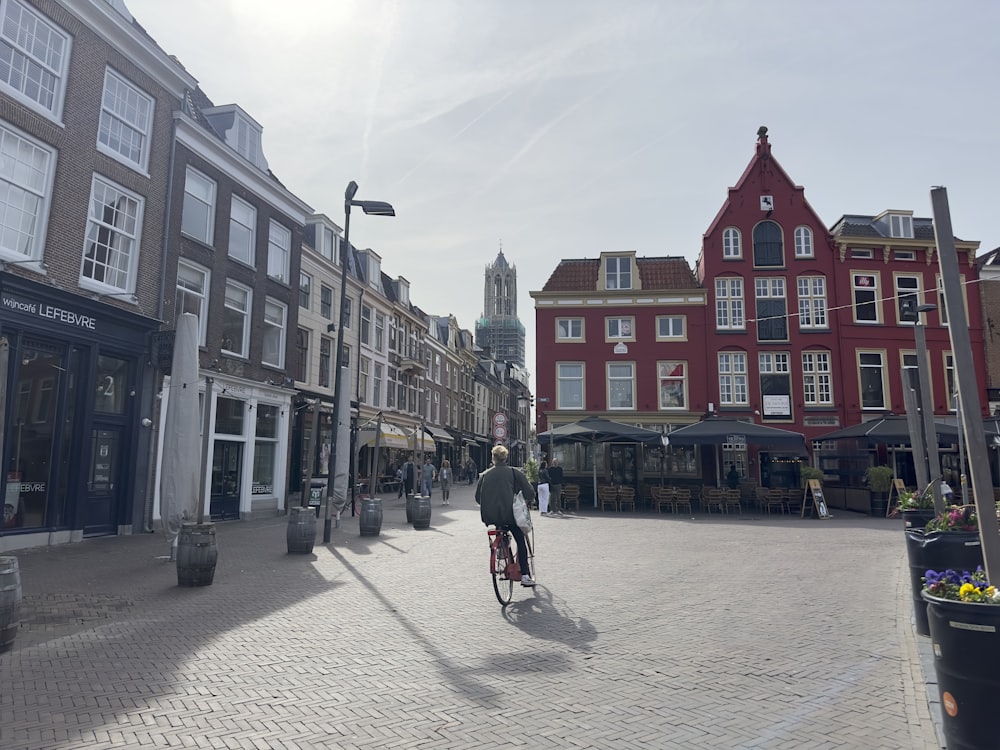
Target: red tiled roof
column 580, row 275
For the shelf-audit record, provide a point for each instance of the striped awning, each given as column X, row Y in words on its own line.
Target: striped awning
column 439, row 435
column 392, row 437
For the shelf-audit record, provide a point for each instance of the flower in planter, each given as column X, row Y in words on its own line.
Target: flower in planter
column 955, row 518
column 916, row 500
column 961, row 587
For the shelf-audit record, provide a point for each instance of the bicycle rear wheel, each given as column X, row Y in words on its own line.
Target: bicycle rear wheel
column 503, row 586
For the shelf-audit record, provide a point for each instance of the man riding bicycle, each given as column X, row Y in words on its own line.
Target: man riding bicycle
column 495, row 492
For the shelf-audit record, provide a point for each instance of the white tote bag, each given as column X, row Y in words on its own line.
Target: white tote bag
column 521, row 514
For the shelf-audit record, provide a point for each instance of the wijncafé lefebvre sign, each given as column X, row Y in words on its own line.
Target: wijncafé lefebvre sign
column 46, row 311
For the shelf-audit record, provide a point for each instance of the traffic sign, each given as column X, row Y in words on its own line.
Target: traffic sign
column 499, row 431
column 499, row 418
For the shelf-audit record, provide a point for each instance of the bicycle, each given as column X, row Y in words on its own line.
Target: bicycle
column 503, row 562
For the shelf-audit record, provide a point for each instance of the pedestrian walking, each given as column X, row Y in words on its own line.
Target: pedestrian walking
column 427, row 475
column 543, row 489
column 555, row 488
column 399, row 481
column 445, row 478
column 471, row 470
column 409, row 476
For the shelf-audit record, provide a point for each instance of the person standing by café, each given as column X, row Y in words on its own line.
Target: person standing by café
column 733, row 477
column 427, row 474
column 555, row 488
column 543, row 489
column 444, row 476
column 409, row 476
column 495, row 495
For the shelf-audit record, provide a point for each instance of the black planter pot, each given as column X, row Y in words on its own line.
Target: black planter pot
column 966, row 638
column 879, row 505
column 939, row 550
column 917, row 518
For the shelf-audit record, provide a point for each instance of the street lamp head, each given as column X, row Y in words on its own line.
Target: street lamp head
column 927, row 307
column 375, row 208
column 352, row 189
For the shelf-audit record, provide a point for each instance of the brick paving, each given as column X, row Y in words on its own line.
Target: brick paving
column 644, row 632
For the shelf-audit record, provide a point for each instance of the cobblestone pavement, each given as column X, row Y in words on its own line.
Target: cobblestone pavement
column 644, row 632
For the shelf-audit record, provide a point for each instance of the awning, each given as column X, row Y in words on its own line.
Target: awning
column 392, row 437
column 439, row 435
column 414, row 442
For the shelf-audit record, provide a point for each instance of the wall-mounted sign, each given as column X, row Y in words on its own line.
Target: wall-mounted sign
column 49, row 312
column 620, row 348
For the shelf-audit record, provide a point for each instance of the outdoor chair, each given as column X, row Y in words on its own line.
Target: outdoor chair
column 663, row 497
column 776, row 500
column 760, row 498
column 607, row 495
column 731, row 500
column 571, row 497
column 793, row 500
column 682, row 499
column 713, row 498
column 626, row 497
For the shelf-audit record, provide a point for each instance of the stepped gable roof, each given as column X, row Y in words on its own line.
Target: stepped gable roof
column 580, row 274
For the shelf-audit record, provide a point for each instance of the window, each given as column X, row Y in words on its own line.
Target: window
column 366, row 324
column 126, row 121
column 248, row 142
column 618, row 273
column 621, row 385
column 305, row 290
column 437, row 368
column 672, row 377
column 905, row 255
column 670, row 327
column 325, row 347
column 865, row 288
column 348, row 304
column 198, row 214
column 731, row 243
column 192, row 294
column 112, row 248
column 733, row 378
column 242, row 231
column 34, row 55
column 279, row 247
column 907, row 299
column 901, row 226
column 265, row 453
column 326, row 242
column 302, row 349
column 391, row 387
column 274, row 333
column 772, row 309
column 326, row 302
column 862, row 252
column 25, row 191
column 775, row 385
column 950, row 381
column 620, row 328
column 569, row 329
column 872, row 380
column 817, row 379
column 729, row 305
column 812, row 302
column 768, row 248
column 379, row 332
column 363, row 370
column 569, row 388
column 377, row 384
column 436, row 415
column 236, row 319
column 803, row 242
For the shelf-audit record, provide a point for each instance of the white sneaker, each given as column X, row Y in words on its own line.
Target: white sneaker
column 526, row 581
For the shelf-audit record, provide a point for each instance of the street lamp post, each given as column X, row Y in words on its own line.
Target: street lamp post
column 927, row 408
column 378, row 208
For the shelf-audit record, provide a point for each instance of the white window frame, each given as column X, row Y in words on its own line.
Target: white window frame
column 729, row 304
column 52, row 67
column 185, row 291
column 569, row 329
column 126, row 121
column 618, row 272
column 305, row 290
column 366, row 324
column 620, row 328
column 817, row 378
column 571, row 374
column 275, row 326
column 621, row 377
column 875, row 362
column 242, row 230
column 901, row 226
column 733, row 379
column 671, row 328
column 803, row 242
column 364, row 368
column 872, row 291
column 200, row 228
column 377, row 378
column 732, row 244
column 279, row 251
column 26, row 170
column 437, row 368
column 767, row 289
column 776, row 364
column 812, row 303
column 379, row 331
column 667, row 382
column 907, row 285
column 242, row 310
column 119, row 238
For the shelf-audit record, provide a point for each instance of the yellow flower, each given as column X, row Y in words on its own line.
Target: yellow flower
column 967, row 588
column 990, row 591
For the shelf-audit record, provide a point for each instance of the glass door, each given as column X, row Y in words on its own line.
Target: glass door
column 227, row 472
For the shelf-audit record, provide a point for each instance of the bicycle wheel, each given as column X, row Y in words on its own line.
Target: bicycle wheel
column 503, row 587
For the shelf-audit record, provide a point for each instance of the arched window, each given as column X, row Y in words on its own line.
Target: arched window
column 731, row 246
column 767, row 245
column 803, row 242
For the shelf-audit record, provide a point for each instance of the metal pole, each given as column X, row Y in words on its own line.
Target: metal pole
column 927, row 413
column 961, row 448
column 344, row 250
column 972, row 418
column 918, row 441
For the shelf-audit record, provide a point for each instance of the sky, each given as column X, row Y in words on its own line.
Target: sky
column 557, row 129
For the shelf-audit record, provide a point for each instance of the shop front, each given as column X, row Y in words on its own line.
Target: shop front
column 74, row 453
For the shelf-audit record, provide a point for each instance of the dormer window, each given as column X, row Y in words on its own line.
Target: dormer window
column 618, row 272
column 374, row 271
column 241, row 132
column 901, row 225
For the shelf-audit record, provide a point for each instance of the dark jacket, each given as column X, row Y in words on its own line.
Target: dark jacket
column 495, row 494
column 555, row 475
column 543, row 476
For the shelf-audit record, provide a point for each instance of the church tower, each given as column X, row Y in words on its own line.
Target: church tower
column 499, row 328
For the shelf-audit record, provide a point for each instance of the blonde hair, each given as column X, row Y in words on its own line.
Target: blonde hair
column 500, row 454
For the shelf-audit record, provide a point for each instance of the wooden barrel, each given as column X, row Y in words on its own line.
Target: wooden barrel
column 409, row 508
column 10, row 602
column 196, row 554
column 421, row 512
column 370, row 522
column 301, row 532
